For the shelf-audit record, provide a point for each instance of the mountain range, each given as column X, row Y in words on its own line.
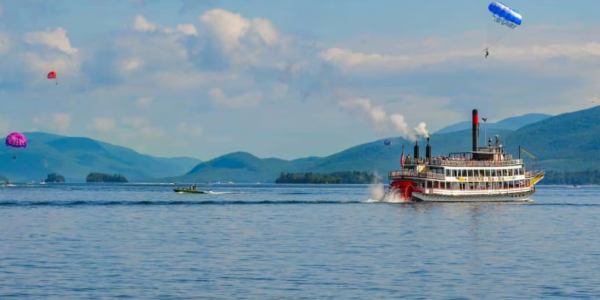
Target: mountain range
column 371, row 157
column 512, row 123
column 568, row 141
column 76, row 157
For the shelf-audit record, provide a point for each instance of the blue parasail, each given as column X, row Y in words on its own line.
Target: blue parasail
column 505, row 15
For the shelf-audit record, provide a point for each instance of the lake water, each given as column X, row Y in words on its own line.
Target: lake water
column 89, row 241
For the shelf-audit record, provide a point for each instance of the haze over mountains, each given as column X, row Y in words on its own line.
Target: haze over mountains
column 565, row 142
column 378, row 158
column 76, row 157
column 512, row 123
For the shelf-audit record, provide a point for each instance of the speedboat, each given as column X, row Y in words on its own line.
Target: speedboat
column 188, row 191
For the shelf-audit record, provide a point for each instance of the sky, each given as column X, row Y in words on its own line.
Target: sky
column 289, row 78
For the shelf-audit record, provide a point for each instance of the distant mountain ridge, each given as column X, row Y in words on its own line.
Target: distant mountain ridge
column 76, row 157
column 568, row 141
column 512, row 123
column 378, row 158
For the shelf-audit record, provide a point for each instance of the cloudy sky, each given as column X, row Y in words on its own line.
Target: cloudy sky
column 285, row 78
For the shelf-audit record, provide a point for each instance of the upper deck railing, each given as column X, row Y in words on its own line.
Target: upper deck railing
column 392, row 175
column 449, row 162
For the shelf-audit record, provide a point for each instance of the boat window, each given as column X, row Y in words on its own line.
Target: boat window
column 493, row 173
column 487, row 173
column 505, row 172
column 470, row 173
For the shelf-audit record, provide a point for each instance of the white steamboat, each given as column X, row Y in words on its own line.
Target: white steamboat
column 485, row 174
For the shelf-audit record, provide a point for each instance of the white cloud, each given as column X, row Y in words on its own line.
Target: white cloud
column 228, row 27
column 243, row 40
column 140, row 126
column 245, row 100
column 4, row 43
column 56, row 38
column 152, row 132
column 188, row 29
column 144, row 102
column 101, row 124
column 186, row 80
column 4, row 126
column 141, row 24
column 136, row 122
column 130, row 64
column 62, row 122
column 59, row 122
column 187, row 130
column 357, row 62
column 43, row 63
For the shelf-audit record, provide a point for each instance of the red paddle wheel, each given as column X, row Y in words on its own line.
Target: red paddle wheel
column 404, row 188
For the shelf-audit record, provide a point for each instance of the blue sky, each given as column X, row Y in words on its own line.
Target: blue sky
column 285, row 79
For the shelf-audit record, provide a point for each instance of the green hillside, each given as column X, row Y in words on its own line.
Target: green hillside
column 75, row 157
column 568, row 142
column 512, row 123
column 372, row 157
column 565, row 142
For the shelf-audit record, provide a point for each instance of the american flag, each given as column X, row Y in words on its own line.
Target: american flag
column 402, row 157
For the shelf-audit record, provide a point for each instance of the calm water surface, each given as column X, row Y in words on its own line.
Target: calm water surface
column 290, row 242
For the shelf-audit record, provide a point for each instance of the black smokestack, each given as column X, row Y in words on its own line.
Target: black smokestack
column 416, row 149
column 475, row 129
column 428, row 150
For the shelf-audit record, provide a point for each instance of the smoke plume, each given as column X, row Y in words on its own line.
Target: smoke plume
column 421, row 130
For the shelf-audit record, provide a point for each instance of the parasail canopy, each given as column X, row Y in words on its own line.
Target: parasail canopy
column 16, row 140
column 505, row 15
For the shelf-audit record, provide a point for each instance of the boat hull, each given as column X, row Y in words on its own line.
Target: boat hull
column 510, row 197
column 180, row 191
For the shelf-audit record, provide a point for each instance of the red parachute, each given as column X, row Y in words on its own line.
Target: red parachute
column 52, row 75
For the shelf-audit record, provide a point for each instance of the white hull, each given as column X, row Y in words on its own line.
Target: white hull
column 513, row 197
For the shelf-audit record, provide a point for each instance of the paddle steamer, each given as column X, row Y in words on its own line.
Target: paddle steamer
column 485, row 174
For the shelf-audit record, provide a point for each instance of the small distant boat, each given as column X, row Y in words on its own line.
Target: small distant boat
column 576, row 186
column 230, row 182
column 187, row 191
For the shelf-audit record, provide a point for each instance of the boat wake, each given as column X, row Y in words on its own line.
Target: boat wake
column 223, row 193
column 165, row 203
column 379, row 195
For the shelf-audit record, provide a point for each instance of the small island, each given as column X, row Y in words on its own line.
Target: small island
column 349, row 177
column 54, row 177
column 100, row 177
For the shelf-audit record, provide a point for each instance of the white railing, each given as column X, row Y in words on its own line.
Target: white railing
column 436, row 161
column 401, row 174
column 467, row 192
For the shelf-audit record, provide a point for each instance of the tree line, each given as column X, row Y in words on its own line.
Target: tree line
column 576, row 177
column 54, row 177
column 100, row 177
column 348, row 177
